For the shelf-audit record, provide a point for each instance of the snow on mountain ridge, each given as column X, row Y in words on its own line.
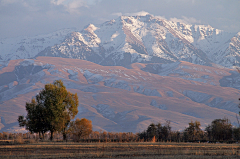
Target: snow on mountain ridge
column 28, row 47
column 130, row 39
column 213, row 42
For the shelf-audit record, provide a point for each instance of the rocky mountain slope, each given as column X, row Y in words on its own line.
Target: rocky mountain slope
column 123, row 99
column 132, row 39
column 128, row 72
column 28, row 47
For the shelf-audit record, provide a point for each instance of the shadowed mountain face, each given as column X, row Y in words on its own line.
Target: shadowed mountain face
column 131, row 39
column 128, row 72
column 116, row 98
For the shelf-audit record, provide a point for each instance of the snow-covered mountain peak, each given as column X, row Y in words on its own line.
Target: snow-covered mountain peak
column 28, row 47
column 91, row 28
column 129, row 39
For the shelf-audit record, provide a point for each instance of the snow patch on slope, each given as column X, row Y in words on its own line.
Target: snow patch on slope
column 73, row 75
column 92, row 78
column 197, row 96
column 147, row 91
column 160, row 106
column 117, row 84
column 105, row 111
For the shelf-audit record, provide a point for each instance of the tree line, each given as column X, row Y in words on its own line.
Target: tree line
column 220, row 130
column 53, row 110
column 94, row 136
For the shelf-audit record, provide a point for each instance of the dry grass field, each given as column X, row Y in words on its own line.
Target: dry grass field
column 119, row 150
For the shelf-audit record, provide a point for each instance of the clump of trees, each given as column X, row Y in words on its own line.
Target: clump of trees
column 158, row 131
column 193, row 132
column 51, row 110
column 220, row 130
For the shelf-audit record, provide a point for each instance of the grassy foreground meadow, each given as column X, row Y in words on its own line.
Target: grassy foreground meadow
column 120, row 150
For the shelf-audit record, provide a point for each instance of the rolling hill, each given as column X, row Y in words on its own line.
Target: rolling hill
column 124, row 99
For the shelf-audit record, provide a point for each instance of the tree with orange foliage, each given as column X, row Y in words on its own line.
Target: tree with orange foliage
column 81, row 128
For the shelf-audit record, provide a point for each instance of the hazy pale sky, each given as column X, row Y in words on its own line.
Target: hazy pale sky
column 33, row 17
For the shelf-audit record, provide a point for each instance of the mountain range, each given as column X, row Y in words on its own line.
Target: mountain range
column 131, row 39
column 128, row 72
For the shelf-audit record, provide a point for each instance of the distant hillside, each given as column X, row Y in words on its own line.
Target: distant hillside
column 123, row 99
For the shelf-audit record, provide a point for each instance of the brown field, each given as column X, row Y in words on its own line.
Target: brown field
column 119, row 150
